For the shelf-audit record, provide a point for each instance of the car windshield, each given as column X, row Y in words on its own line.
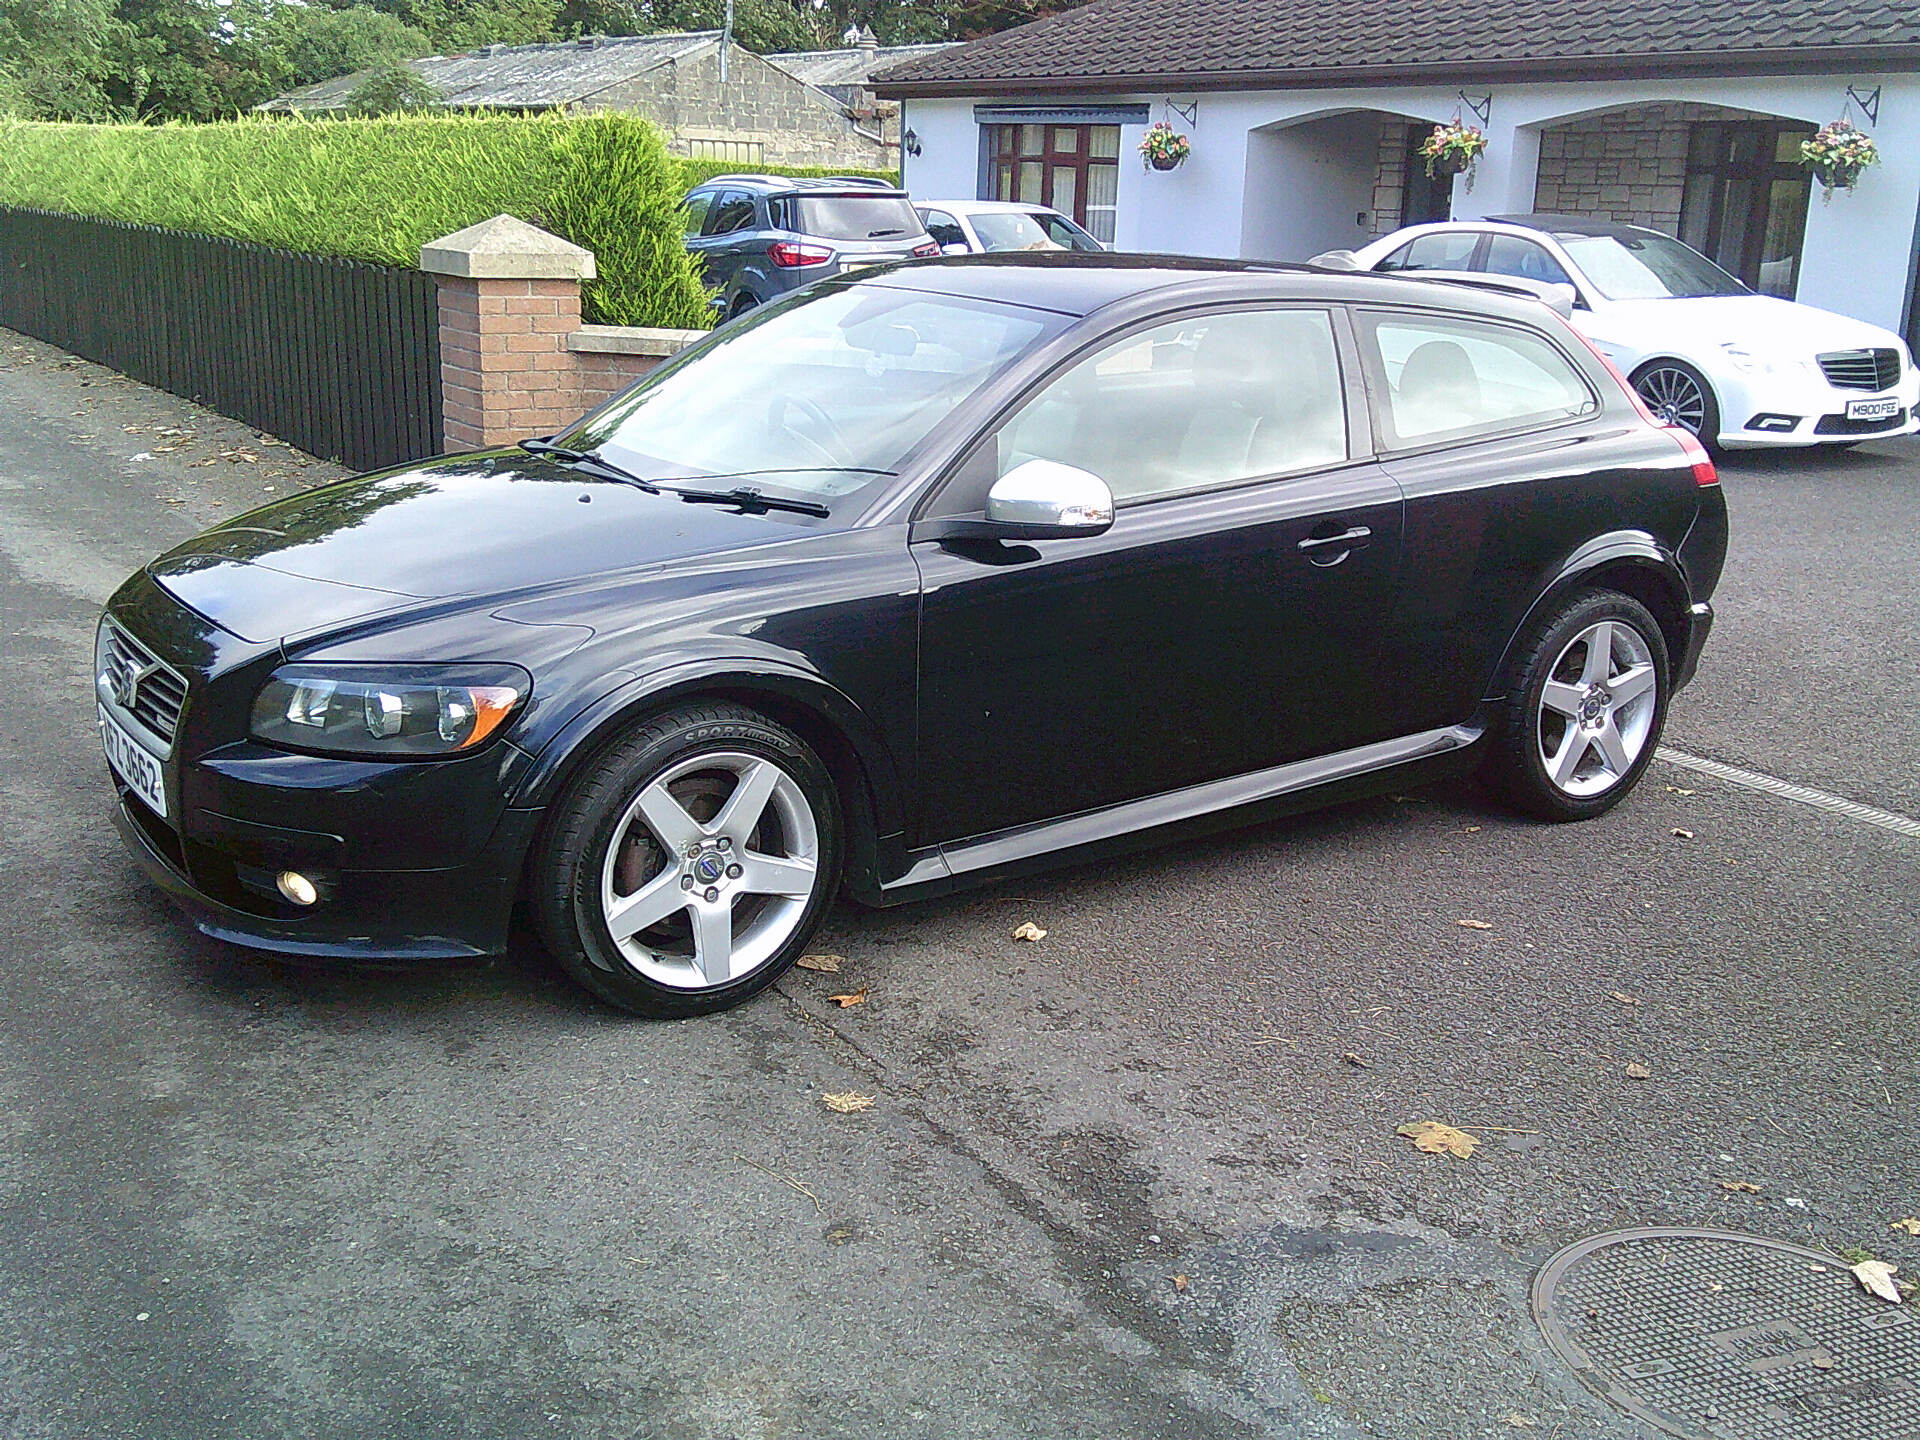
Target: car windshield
column 1646, row 266
column 820, row 393
column 1012, row 230
column 853, row 217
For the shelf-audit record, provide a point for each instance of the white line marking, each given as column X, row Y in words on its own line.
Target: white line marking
column 1819, row 799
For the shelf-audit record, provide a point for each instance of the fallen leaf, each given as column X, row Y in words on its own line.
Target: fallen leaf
column 1677, row 790
column 848, row 1103
column 1354, row 1060
column 1637, row 1071
column 1876, row 1278
column 1473, row 924
column 1519, row 1421
column 1910, row 1225
column 1433, row 1138
column 1624, row 999
column 1823, row 1362
column 1739, row 1187
column 1027, row 930
column 851, row 998
column 1470, row 830
column 1182, row 1284
column 827, row 964
column 1682, row 834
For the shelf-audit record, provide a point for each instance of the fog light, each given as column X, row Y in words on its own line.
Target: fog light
column 296, row 887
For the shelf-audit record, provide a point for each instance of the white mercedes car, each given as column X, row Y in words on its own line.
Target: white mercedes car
column 1703, row 351
column 982, row 227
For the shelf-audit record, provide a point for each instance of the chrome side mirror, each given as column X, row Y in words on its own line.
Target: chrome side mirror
column 1046, row 500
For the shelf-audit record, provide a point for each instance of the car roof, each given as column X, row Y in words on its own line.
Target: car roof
column 1073, row 282
column 803, row 184
column 1569, row 224
column 987, row 207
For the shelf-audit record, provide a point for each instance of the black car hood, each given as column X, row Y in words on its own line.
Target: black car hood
column 473, row 525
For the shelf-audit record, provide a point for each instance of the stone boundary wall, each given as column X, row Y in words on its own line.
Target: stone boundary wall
column 514, row 358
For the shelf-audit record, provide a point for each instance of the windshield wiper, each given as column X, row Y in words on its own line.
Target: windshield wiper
column 878, row 234
column 751, row 500
column 591, row 461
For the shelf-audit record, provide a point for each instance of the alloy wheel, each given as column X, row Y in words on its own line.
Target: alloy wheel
column 1597, row 708
column 1674, row 396
column 710, row 870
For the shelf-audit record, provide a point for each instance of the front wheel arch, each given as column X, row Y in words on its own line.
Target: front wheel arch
column 863, row 771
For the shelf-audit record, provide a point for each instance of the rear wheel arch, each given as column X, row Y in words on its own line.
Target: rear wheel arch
column 1635, row 569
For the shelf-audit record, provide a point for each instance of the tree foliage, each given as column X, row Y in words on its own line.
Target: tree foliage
column 392, row 89
column 213, row 59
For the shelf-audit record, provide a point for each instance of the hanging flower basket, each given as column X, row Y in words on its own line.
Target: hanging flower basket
column 1452, row 149
column 1837, row 155
column 1163, row 147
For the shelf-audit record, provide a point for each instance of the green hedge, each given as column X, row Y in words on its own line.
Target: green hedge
column 692, row 172
column 380, row 189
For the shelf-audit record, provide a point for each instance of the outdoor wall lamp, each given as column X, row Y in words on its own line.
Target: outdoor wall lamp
column 910, row 143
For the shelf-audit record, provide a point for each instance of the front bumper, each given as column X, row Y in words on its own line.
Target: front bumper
column 1788, row 409
column 408, row 915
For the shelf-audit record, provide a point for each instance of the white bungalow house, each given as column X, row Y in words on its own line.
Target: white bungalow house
column 1303, row 117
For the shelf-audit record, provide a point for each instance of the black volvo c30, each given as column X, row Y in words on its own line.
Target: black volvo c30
column 905, row 581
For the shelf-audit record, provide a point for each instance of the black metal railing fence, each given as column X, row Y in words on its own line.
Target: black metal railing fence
column 340, row 357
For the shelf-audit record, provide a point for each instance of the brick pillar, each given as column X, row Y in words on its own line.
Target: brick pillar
column 509, row 298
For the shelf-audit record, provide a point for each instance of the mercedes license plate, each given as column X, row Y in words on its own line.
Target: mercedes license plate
column 1873, row 409
column 133, row 763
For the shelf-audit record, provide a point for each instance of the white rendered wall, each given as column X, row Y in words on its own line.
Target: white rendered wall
column 1248, row 192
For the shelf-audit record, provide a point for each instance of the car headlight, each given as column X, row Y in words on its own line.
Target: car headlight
column 1746, row 362
column 387, row 712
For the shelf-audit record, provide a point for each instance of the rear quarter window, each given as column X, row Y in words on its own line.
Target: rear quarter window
column 1438, row 250
column 1439, row 379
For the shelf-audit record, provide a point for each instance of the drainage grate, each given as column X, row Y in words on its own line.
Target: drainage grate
column 1712, row 1335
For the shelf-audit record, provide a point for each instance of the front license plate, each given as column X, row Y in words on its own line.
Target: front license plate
column 1872, row 409
column 133, row 763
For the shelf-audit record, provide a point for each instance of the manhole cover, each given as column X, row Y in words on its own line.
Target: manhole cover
column 1717, row 1336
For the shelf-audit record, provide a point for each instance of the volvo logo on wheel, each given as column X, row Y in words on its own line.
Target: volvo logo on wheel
column 709, row 868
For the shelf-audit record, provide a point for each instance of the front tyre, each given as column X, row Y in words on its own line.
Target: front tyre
column 1586, row 701
column 690, row 862
column 1678, row 394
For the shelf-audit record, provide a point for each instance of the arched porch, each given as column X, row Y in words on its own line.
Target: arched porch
column 1726, row 181
column 1333, row 180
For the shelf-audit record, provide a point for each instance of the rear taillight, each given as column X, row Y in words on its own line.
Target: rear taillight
column 789, row 256
column 1696, row 453
column 927, row 249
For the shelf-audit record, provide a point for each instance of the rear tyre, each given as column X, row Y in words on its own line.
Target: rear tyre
column 690, row 862
column 742, row 303
column 1586, row 699
column 1678, row 394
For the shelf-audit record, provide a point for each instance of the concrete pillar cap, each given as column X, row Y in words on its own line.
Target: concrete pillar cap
column 506, row 248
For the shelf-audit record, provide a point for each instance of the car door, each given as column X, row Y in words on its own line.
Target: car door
column 1485, row 426
column 1226, row 622
column 730, row 216
column 946, row 231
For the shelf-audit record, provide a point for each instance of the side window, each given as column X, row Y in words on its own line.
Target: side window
column 1436, row 250
column 1447, row 379
column 732, row 211
column 944, row 228
column 698, row 204
column 1510, row 255
column 1196, row 403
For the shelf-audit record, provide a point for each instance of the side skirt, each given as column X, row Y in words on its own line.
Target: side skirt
column 945, row 867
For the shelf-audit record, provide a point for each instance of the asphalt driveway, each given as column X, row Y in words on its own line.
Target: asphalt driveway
column 1139, row 1178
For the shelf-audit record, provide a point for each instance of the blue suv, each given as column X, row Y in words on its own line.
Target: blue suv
column 760, row 236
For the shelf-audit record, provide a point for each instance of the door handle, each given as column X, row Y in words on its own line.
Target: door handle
column 1351, row 539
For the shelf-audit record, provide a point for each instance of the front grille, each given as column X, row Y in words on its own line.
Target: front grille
column 1861, row 369
column 158, row 689
column 1842, row 425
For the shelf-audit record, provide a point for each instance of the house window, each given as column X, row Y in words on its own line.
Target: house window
column 1073, row 168
column 734, row 152
column 1745, row 204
